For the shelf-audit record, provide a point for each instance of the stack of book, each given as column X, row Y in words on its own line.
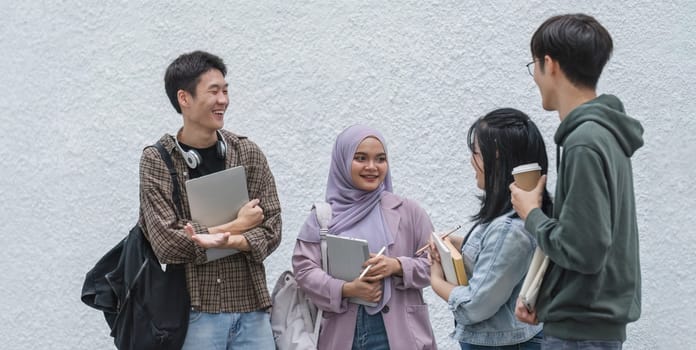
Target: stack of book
column 532, row 282
column 451, row 260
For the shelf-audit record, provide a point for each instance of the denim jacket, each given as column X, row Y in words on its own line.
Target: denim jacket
column 496, row 257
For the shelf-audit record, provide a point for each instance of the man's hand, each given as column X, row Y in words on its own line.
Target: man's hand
column 524, row 315
column 213, row 240
column 218, row 240
column 523, row 202
column 251, row 214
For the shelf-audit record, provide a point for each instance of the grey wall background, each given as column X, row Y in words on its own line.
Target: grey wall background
column 82, row 94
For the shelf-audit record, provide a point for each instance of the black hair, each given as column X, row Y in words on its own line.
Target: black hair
column 185, row 72
column 506, row 138
column 580, row 44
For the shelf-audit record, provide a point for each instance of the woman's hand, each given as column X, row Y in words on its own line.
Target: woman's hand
column 434, row 253
column 437, row 281
column 370, row 291
column 436, row 271
column 382, row 267
column 457, row 241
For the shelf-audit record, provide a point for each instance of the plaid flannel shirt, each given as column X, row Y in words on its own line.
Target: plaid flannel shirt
column 236, row 283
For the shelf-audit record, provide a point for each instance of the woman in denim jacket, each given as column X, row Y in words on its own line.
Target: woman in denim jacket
column 497, row 250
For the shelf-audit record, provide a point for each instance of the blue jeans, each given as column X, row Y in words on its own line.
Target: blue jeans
column 531, row 344
column 553, row 343
column 226, row 331
column 370, row 333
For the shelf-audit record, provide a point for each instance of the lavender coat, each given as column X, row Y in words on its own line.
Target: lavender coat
column 406, row 314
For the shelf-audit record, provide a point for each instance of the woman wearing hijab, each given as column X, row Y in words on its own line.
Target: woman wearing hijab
column 359, row 190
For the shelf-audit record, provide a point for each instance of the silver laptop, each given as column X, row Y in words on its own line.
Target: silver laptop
column 345, row 258
column 215, row 199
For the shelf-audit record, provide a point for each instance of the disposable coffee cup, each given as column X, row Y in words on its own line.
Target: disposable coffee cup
column 527, row 175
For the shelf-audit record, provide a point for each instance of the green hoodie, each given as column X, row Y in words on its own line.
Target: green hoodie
column 591, row 289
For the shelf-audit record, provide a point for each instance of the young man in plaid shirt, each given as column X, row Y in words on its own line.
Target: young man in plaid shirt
column 229, row 296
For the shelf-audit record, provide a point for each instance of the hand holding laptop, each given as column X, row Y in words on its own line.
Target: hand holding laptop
column 362, row 291
column 214, row 201
column 249, row 216
column 346, row 257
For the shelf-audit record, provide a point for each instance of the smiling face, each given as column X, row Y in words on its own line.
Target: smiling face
column 369, row 165
column 206, row 110
column 543, row 78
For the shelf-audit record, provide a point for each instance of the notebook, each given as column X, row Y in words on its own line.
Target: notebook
column 346, row 257
column 532, row 282
column 458, row 263
column 445, row 259
column 215, row 199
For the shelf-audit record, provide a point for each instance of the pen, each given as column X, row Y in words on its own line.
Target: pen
column 381, row 251
column 423, row 248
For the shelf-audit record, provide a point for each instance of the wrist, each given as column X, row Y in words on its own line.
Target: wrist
column 529, row 211
column 236, row 226
column 397, row 269
column 238, row 242
column 347, row 290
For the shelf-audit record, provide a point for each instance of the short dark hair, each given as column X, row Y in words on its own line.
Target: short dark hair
column 185, row 72
column 506, row 138
column 580, row 44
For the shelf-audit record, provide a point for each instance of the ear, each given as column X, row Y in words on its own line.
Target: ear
column 184, row 98
column 551, row 66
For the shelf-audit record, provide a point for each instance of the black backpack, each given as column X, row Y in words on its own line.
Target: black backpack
column 145, row 307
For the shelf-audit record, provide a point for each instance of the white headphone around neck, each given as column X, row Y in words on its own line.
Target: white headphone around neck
column 193, row 159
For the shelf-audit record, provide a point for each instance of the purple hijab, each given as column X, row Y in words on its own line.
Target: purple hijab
column 349, row 204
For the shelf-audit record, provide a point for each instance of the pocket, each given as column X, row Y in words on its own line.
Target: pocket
column 538, row 339
column 470, row 252
column 419, row 325
column 194, row 316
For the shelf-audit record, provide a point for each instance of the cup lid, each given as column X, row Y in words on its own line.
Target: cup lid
column 525, row 168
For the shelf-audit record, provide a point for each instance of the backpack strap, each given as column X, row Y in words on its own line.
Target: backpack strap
column 176, row 195
column 323, row 211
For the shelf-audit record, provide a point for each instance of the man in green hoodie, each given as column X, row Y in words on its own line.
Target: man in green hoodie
column 591, row 289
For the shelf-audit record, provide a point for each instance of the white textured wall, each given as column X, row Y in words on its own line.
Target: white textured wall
column 82, row 92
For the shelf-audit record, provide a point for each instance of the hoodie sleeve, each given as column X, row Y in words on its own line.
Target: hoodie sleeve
column 580, row 239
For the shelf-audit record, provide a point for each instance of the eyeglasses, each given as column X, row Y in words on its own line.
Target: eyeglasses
column 530, row 68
